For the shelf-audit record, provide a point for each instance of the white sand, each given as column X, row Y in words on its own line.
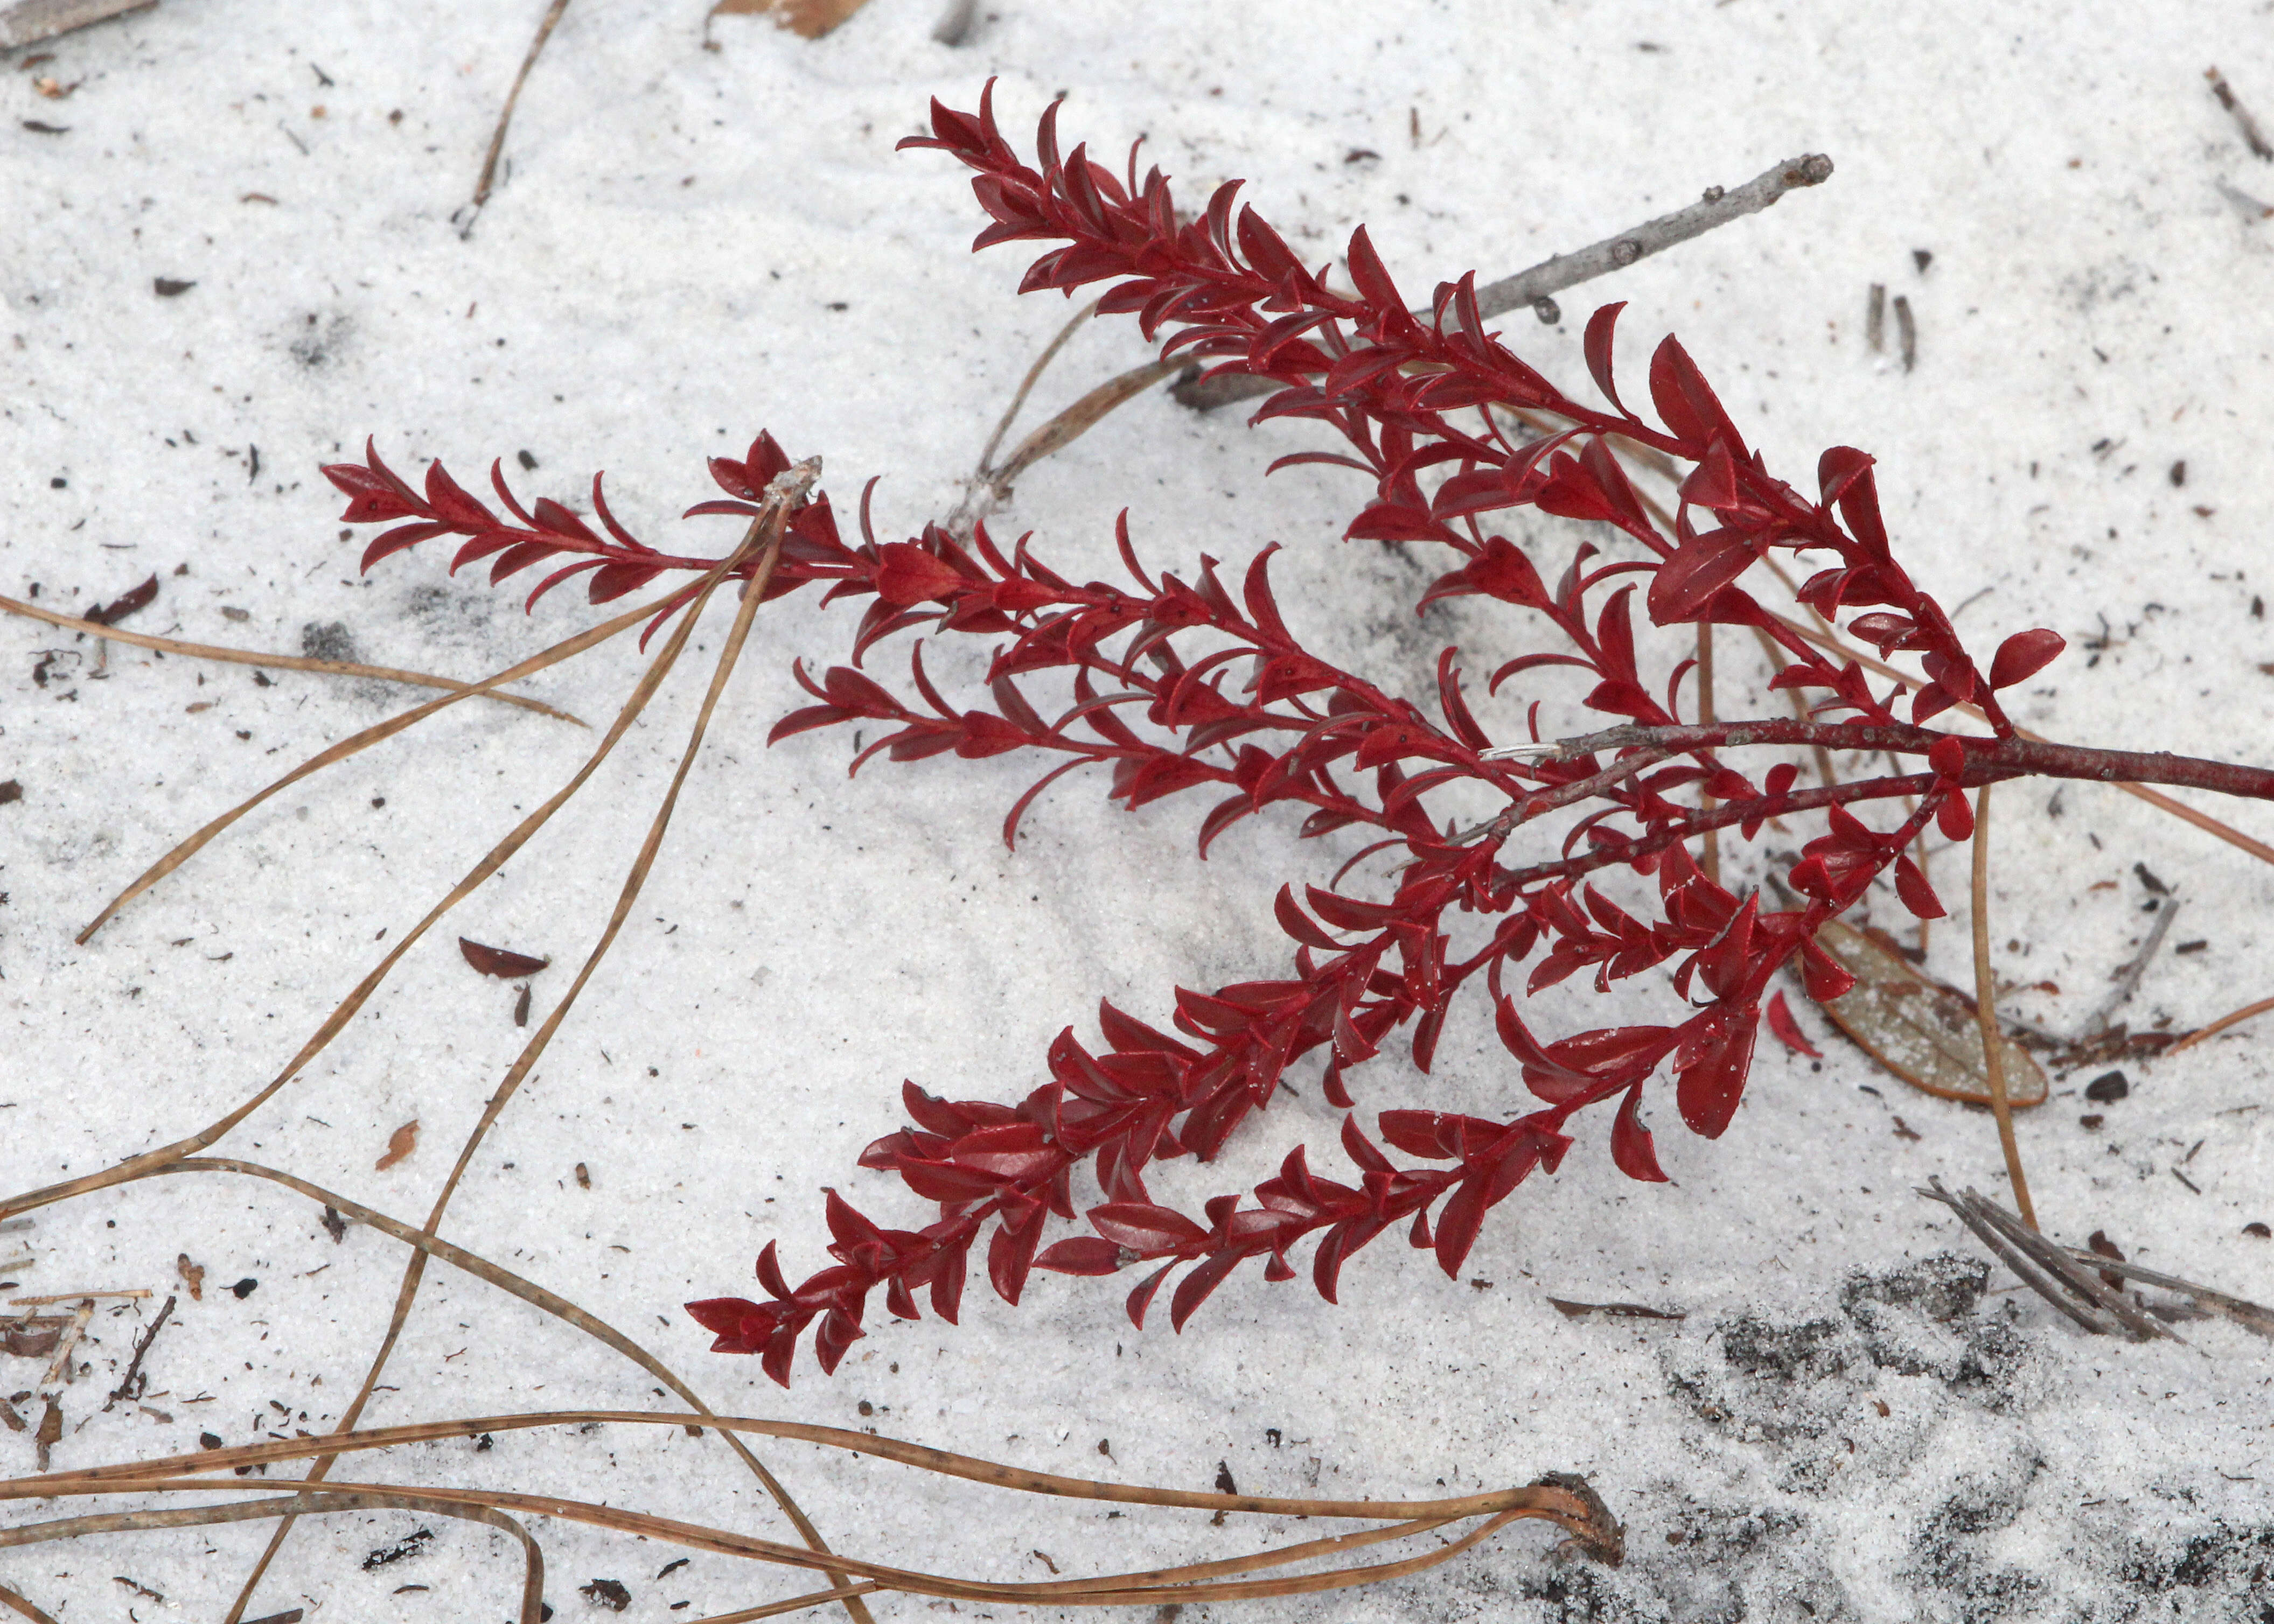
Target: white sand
column 691, row 244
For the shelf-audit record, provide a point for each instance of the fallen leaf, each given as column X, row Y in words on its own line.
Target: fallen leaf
column 498, row 962
column 33, row 1338
column 1630, row 1311
column 50, row 1432
column 120, row 607
column 808, row 20
column 400, row 1144
column 1923, row 1031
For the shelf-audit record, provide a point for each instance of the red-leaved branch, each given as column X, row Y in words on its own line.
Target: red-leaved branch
column 1175, row 685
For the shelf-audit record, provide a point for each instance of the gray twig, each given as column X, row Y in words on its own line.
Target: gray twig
column 2250, row 1316
column 2046, row 1269
column 125, row 1388
column 2243, row 121
column 2010, row 1256
column 2128, row 978
column 28, row 22
column 1718, row 207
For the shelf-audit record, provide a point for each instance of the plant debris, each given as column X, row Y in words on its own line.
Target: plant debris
column 1925, row 1033
column 400, row 1144
column 1624, row 1311
column 507, row 966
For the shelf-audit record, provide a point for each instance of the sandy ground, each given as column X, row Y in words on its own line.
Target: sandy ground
column 690, row 244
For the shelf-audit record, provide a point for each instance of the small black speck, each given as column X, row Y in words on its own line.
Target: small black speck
column 209, row 1440
column 246, row 1288
column 2107, row 1088
column 1921, row 257
column 2180, row 471
column 58, row 483
column 838, row 305
column 526, row 460
column 378, row 801
column 171, row 287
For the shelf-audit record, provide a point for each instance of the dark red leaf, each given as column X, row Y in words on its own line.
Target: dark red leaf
column 1787, row 1030
column 1081, row 1254
column 498, row 962
column 1631, row 1150
column 1597, row 344
column 1149, row 1230
column 1955, row 816
column 2023, row 655
column 1917, row 895
column 125, row 604
column 1194, row 1288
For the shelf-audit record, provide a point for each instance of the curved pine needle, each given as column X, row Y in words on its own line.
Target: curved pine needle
column 764, row 537
column 356, row 743
column 1115, row 1590
column 282, row 662
column 2248, row 1011
column 152, row 1161
column 17, row 1604
column 128, row 1476
column 796, row 1604
column 532, row 1582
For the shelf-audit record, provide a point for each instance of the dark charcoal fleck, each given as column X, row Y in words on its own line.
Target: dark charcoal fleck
column 2258, row 1229
column 2107, row 1088
column 246, row 1288
column 411, row 1543
column 209, row 1440
column 1943, row 1287
column 11, row 790
column 169, row 287
column 1760, row 1349
column 608, row 1593
column 330, row 640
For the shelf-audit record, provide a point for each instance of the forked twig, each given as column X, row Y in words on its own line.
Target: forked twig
column 2050, row 1270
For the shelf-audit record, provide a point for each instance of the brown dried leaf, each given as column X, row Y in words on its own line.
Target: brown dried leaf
column 1628, row 1311
column 808, row 20
column 50, row 1432
column 498, row 962
column 400, row 1144
column 33, row 1338
column 138, row 598
column 1919, row 1029
column 193, row 1276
